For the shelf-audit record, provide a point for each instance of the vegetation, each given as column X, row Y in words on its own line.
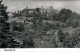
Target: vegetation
column 28, row 42
column 42, row 30
column 50, row 29
column 17, row 26
column 6, row 39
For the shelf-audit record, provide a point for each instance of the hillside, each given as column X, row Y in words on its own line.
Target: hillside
column 55, row 30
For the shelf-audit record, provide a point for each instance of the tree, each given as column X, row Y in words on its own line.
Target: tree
column 61, row 35
column 37, row 9
column 3, row 22
column 64, row 15
column 55, row 17
column 5, row 37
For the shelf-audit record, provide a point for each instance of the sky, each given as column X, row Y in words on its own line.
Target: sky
column 14, row 5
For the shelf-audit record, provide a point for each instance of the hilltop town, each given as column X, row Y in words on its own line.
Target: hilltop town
column 39, row 28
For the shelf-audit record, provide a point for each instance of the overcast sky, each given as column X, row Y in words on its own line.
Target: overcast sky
column 14, row 5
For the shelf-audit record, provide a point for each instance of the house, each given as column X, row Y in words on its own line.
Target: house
column 10, row 14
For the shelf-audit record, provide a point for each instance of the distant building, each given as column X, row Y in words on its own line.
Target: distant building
column 48, row 11
column 42, row 10
column 10, row 14
column 29, row 10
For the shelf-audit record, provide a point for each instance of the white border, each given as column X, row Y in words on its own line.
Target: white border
column 42, row 50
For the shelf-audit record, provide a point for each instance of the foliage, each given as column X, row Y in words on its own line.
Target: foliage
column 55, row 17
column 47, row 26
column 73, row 40
column 17, row 26
column 64, row 14
column 17, row 14
column 56, row 26
column 61, row 35
column 75, row 23
column 4, row 26
column 28, row 42
column 65, row 18
column 6, row 38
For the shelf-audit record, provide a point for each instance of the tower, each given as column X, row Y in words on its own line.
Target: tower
column 6, row 39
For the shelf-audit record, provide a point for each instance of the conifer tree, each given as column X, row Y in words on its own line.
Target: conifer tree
column 6, row 40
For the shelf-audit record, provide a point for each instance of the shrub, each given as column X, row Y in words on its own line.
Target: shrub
column 72, row 40
column 75, row 23
column 17, row 26
column 20, row 26
column 61, row 35
column 28, row 42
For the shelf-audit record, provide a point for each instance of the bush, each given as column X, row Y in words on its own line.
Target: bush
column 56, row 26
column 20, row 26
column 75, row 23
column 47, row 26
column 14, row 25
column 28, row 42
column 54, row 42
column 61, row 35
column 72, row 40
column 17, row 26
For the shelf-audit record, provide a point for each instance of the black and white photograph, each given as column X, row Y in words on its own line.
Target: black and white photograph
column 39, row 23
